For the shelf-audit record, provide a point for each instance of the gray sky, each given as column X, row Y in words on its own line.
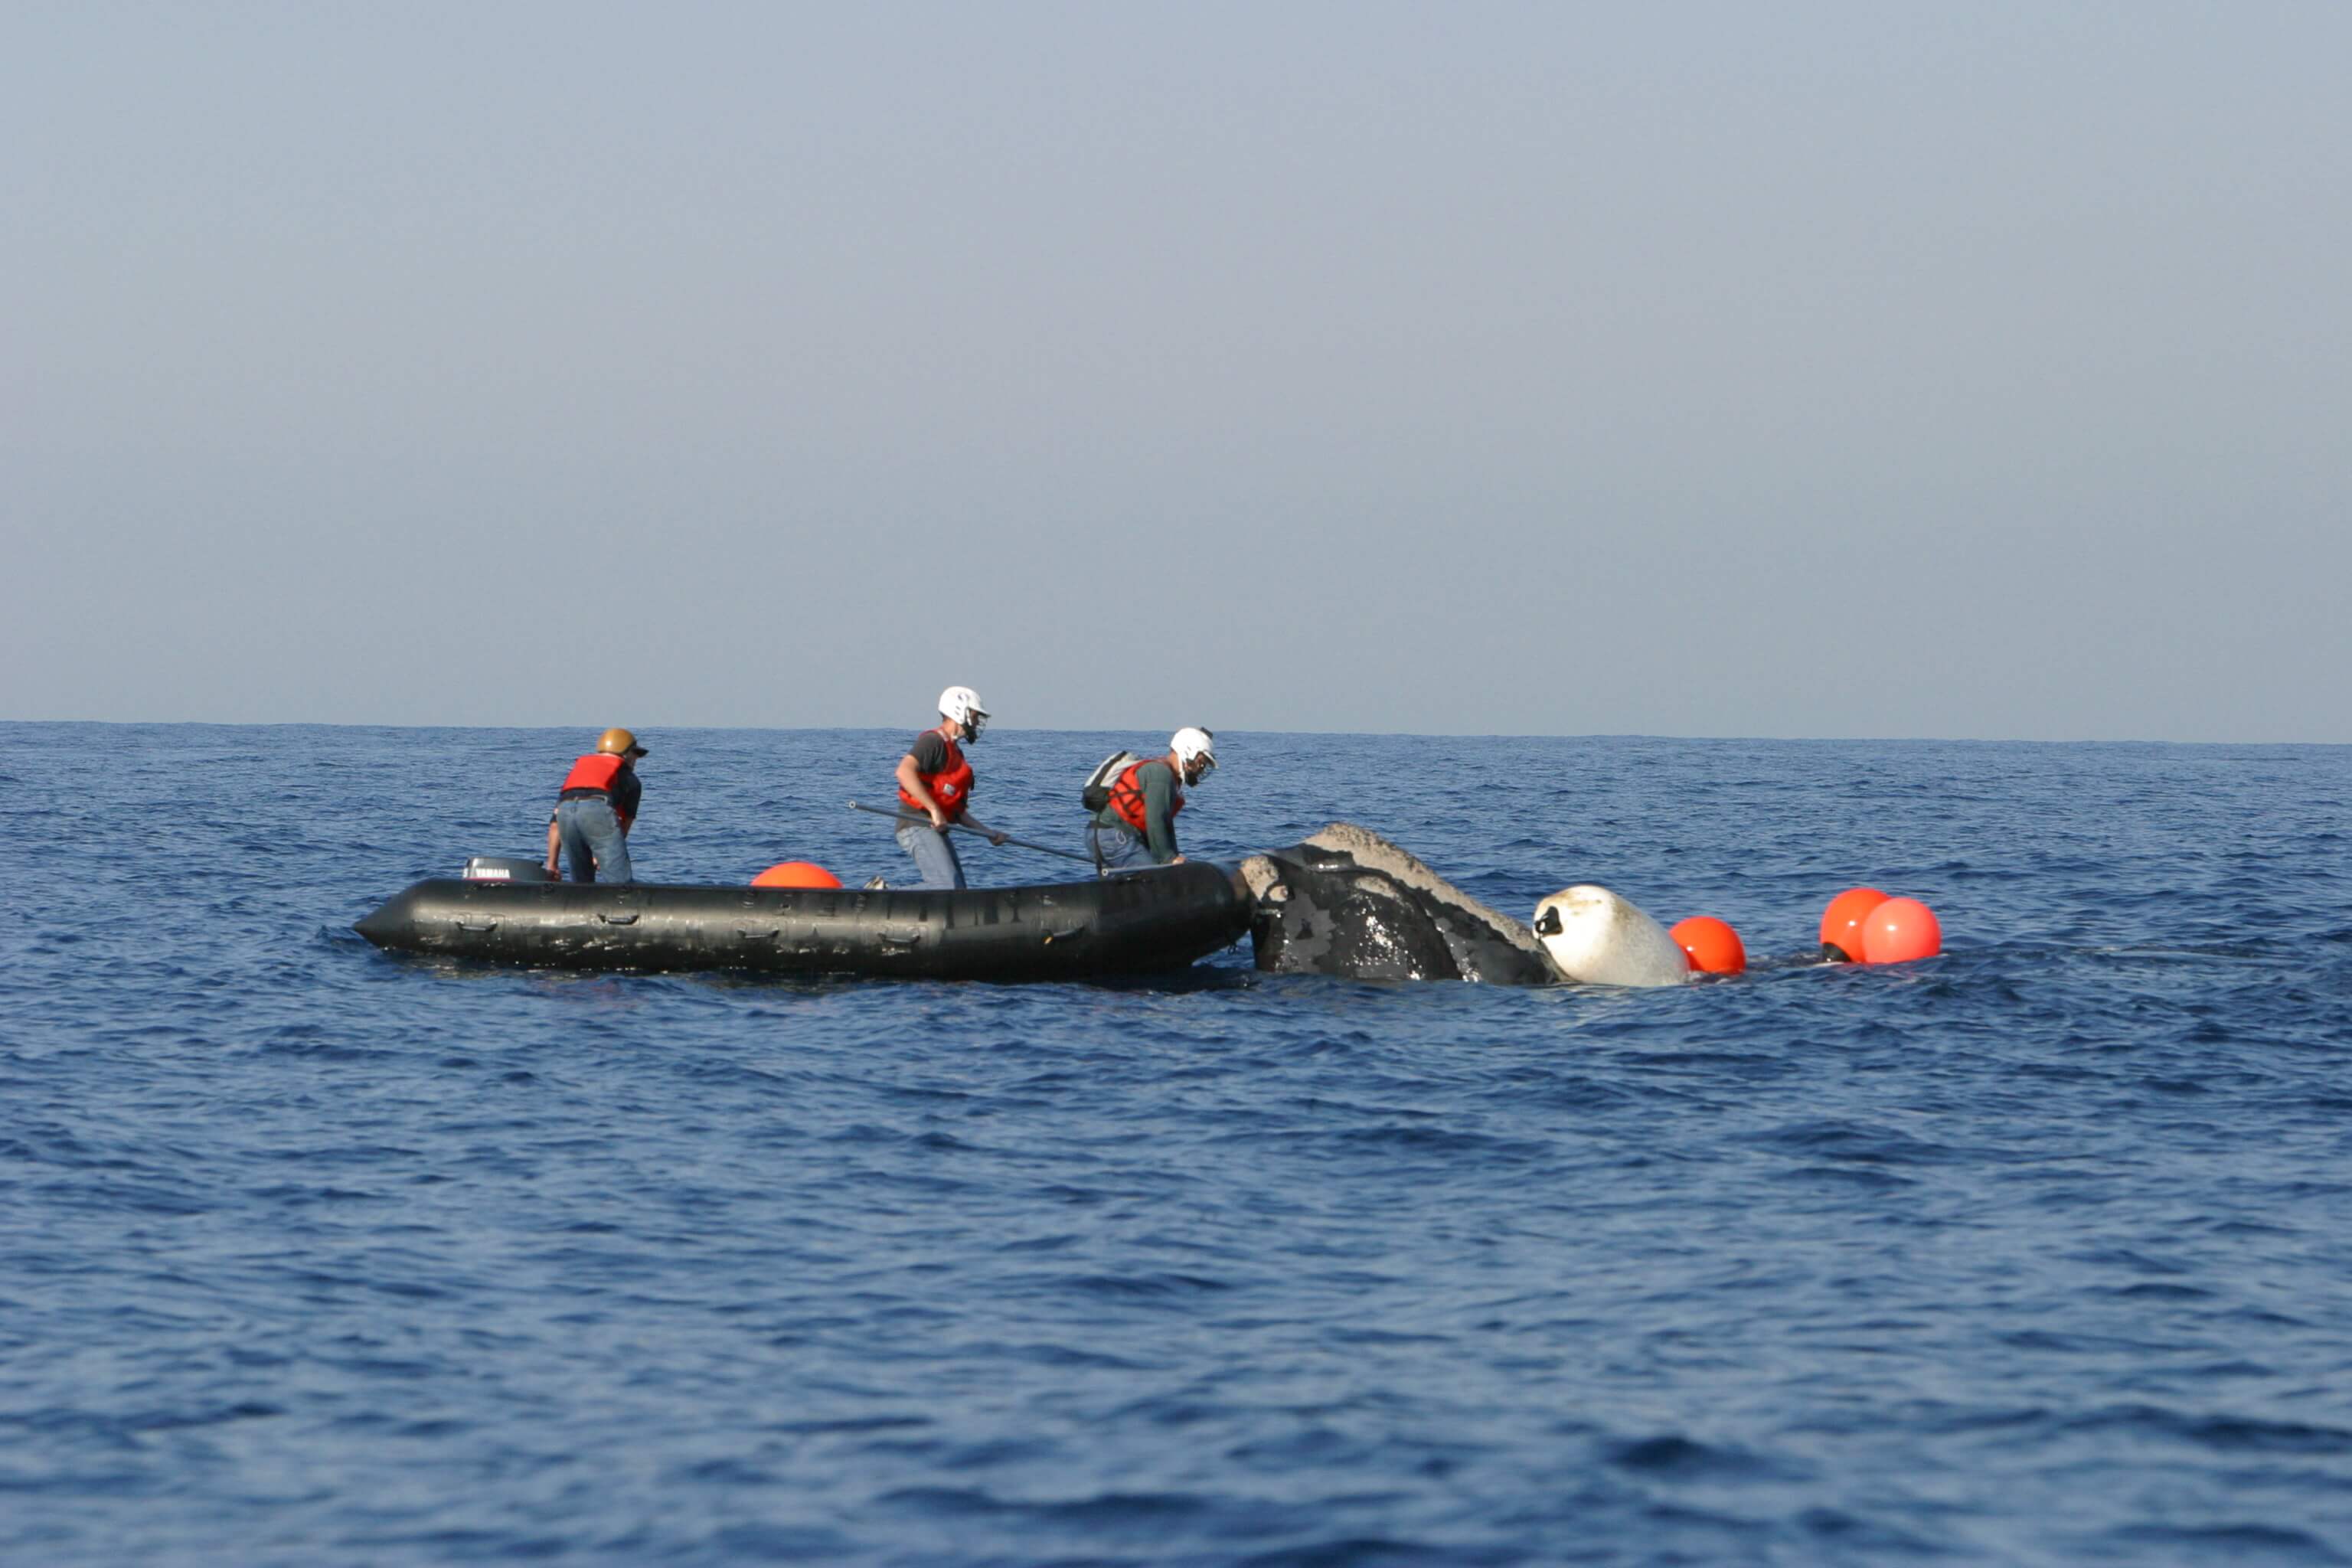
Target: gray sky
column 1805, row 370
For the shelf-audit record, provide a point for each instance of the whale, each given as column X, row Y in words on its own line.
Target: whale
column 1593, row 935
column 1347, row 902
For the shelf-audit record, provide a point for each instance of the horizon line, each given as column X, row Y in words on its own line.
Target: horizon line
column 1111, row 729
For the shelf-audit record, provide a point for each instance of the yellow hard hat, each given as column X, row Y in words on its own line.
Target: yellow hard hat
column 620, row 744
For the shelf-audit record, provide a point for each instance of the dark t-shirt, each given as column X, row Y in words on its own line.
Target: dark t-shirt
column 626, row 793
column 929, row 751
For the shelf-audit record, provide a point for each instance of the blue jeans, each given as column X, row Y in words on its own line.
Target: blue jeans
column 935, row 856
column 1114, row 848
column 593, row 841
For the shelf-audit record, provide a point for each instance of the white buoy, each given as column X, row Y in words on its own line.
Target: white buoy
column 1592, row 934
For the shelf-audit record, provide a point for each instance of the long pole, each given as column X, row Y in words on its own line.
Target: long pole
column 913, row 820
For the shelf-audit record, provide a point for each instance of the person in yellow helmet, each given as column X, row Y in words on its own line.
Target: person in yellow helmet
column 594, row 810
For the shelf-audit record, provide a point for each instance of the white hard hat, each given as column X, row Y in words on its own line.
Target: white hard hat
column 960, row 703
column 1191, row 742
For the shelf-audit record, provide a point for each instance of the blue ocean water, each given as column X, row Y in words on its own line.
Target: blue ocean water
column 2040, row 1251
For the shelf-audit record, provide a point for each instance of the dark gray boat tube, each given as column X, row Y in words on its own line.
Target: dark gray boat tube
column 1137, row 922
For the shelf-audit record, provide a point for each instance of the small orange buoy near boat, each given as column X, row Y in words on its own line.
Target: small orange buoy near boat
column 795, row 874
column 1713, row 947
column 1899, row 931
column 1841, row 923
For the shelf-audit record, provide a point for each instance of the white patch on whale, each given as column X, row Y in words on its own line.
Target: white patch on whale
column 1592, row 934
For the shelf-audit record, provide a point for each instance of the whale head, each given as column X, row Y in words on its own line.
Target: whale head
column 1348, row 903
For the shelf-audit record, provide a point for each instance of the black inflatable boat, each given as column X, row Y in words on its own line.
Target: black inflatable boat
column 1133, row 923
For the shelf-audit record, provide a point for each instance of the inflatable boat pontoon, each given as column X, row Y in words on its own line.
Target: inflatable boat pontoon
column 1136, row 922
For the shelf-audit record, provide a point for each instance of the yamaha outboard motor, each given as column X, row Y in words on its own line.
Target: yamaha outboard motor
column 497, row 869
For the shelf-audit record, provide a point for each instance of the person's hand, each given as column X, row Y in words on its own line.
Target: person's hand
column 938, row 820
column 997, row 839
column 554, row 873
column 1175, row 859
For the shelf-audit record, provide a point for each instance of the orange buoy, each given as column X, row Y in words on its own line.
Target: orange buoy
column 1841, row 923
column 795, row 874
column 1899, row 931
column 1713, row 947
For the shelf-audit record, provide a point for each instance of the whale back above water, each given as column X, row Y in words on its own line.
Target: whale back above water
column 1347, row 902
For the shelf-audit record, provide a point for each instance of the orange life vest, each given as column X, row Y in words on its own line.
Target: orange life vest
column 1126, row 796
column 950, row 786
column 597, row 770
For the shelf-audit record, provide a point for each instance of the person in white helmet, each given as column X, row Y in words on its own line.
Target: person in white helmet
column 1138, row 822
column 935, row 780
